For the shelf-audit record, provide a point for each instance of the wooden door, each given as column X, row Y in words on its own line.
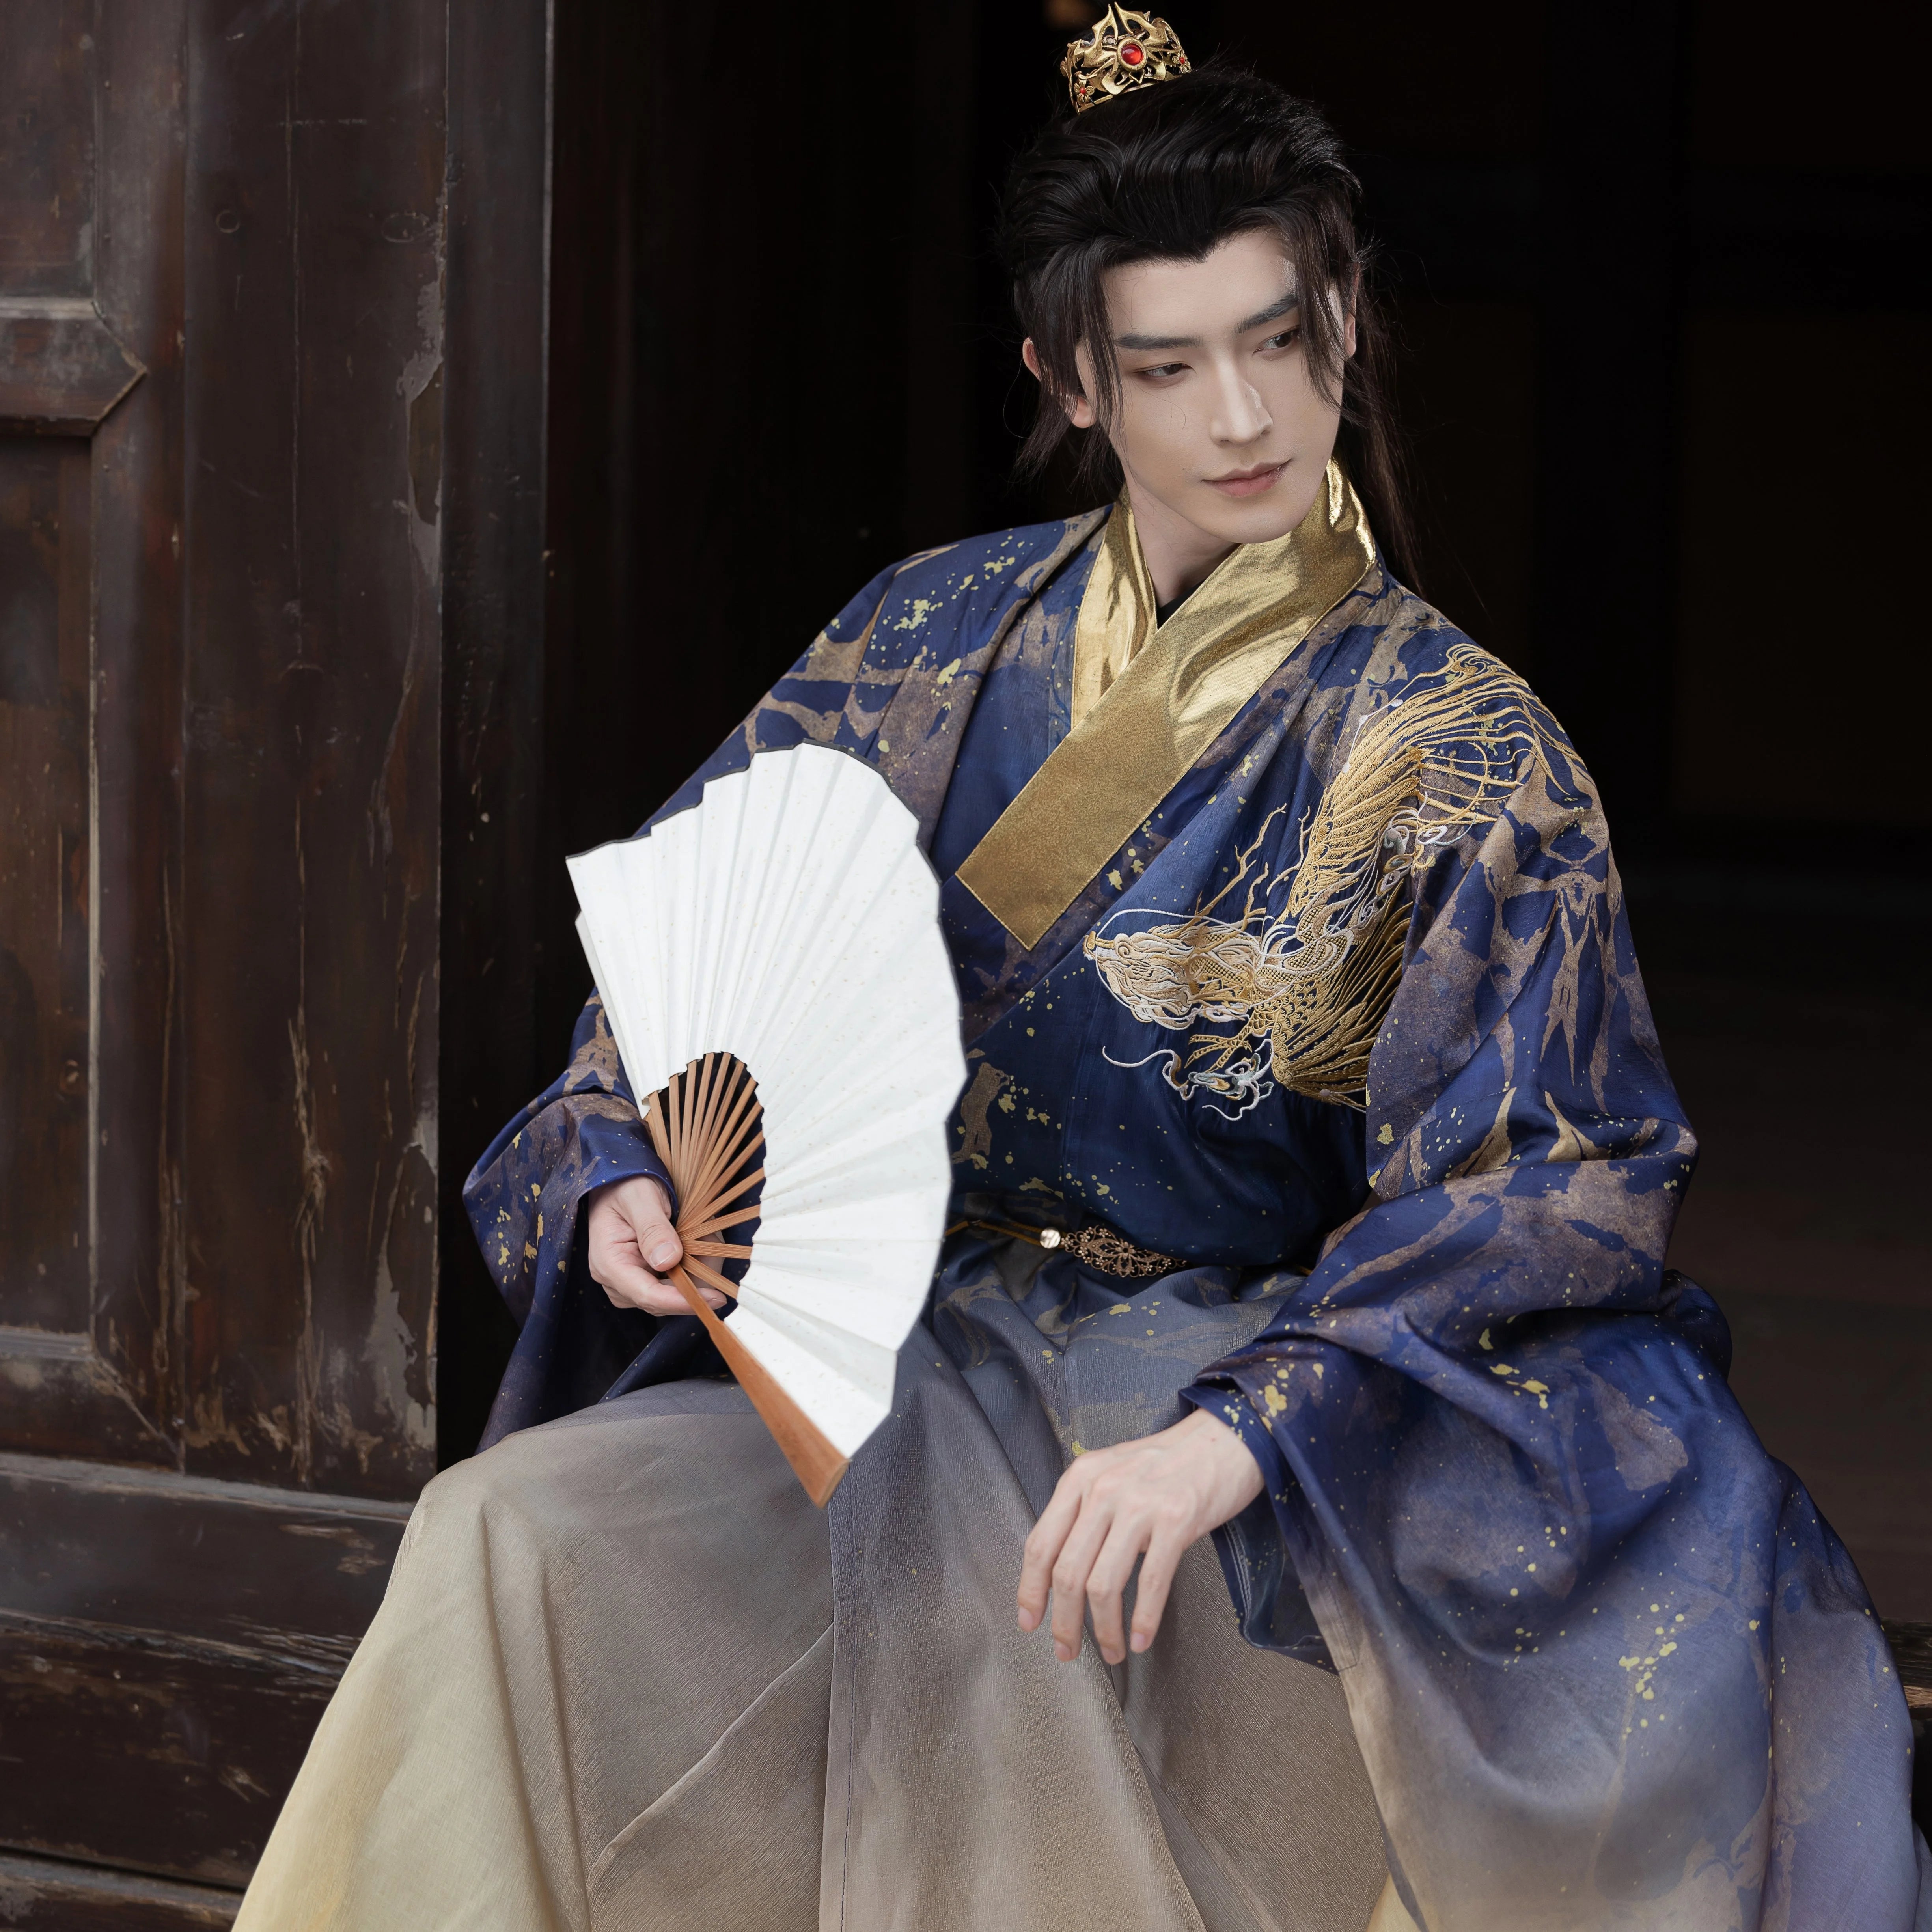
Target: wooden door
column 226, row 229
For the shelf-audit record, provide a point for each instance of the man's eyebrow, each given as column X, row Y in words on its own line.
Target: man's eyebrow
column 1285, row 304
column 1156, row 342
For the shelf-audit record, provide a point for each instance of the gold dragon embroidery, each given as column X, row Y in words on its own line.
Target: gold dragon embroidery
column 1297, row 997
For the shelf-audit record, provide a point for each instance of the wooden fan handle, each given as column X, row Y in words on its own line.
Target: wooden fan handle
column 815, row 1462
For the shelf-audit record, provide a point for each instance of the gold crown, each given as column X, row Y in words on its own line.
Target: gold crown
column 1125, row 50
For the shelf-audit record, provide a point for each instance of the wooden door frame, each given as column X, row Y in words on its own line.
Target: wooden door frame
column 104, row 366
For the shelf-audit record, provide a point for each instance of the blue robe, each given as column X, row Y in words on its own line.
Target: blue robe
column 1351, row 1029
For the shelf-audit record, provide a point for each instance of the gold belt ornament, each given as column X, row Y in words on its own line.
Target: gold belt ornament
column 1098, row 1246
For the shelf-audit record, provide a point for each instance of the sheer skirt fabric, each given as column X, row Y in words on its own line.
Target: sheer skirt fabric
column 626, row 1676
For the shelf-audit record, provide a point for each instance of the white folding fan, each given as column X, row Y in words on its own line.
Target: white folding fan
column 772, row 965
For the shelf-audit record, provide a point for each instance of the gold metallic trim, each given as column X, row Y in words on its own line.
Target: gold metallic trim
column 1174, row 697
column 1117, row 613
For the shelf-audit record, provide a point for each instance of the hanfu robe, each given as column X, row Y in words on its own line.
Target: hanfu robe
column 1297, row 991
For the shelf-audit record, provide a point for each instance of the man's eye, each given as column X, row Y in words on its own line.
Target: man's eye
column 1164, row 369
column 1285, row 340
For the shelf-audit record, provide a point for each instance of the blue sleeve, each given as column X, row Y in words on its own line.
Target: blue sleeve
column 1585, row 1622
column 1526, row 1153
column 524, row 1197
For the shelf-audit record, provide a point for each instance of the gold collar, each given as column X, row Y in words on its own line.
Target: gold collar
column 1147, row 702
column 1118, row 613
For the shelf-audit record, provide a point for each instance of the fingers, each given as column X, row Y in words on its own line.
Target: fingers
column 628, row 1285
column 632, row 1243
column 1043, row 1546
column 641, row 1202
column 1151, row 1499
column 1070, row 1572
column 713, row 1297
column 1063, row 1561
column 1106, row 1581
column 1164, row 1552
column 1083, row 1550
column 637, row 1287
column 657, row 1243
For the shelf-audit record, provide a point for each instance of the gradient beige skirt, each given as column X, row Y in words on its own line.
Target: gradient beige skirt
column 625, row 1675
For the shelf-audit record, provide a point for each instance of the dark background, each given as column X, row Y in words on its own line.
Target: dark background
column 1660, row 276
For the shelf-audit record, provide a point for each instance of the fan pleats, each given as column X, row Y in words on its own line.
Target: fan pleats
column 774, row 978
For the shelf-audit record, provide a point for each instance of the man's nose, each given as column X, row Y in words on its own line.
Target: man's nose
column 1239, row 414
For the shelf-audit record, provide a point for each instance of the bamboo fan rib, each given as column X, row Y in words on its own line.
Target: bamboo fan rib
column 772, row 970
column 705, row 1126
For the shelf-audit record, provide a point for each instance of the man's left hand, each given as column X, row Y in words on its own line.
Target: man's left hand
column 1151, row 1499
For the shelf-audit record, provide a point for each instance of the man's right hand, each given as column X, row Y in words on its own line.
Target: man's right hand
column 633, row 1244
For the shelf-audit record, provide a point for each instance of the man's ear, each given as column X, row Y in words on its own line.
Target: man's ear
column 1079, row 410
column 1348, row 315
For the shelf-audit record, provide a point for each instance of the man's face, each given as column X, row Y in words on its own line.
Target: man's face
column 1220, row 422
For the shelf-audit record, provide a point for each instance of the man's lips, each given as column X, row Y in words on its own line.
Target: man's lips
column 1247, row 482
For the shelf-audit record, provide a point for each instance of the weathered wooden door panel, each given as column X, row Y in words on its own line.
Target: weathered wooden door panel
column 218, row 709
column 308, row 1007
column 222, row 275
column 84, row 459
column 47, row 150
column 61, row 369
column 44, row 592
column 67, row 1393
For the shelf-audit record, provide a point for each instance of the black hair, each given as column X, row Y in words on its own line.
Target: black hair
column 1166, row 173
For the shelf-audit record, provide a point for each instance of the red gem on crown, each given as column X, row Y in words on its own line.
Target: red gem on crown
column 1133, row 54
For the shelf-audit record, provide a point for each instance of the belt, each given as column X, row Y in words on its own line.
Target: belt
column 1097, row 1245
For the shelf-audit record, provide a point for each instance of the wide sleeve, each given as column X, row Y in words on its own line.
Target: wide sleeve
column 523, row 1198
column 1526, row 1153
column 1599, row 1648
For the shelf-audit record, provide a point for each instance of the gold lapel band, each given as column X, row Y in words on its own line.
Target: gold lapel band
column 1117, row 613
column 1169, row 694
